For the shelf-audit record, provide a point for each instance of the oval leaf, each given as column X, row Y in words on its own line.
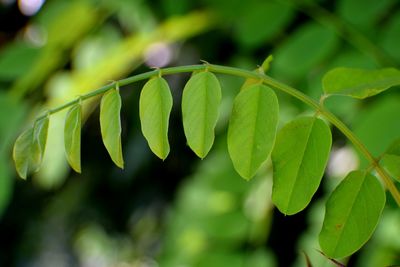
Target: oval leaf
column 22, row 152
column 154, row 110
column 39, row 139
column 359, row 83
column 299, row 158
column 252, row 128
column 391, row 159
column 110, row 124
column 200, row 102
column 72, row 137
column 352, row 213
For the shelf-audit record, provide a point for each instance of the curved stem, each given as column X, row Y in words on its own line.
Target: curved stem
column 266, row 80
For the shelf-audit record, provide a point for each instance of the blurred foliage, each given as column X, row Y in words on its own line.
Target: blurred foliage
column 182, row 211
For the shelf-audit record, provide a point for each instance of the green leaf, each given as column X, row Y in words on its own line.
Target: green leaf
column 252, row 128
column 301, row 52
column 261, row 21
column 154, row 109
column 359, row 83
column 72, row 136
column 110, row 124
column 299, row 158
column 39, row 139
column 200, row 102
column 352, row 213
column 22, row 152
column 391, row 159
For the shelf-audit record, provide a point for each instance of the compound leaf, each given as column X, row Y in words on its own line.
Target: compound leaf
column 200, row 102
column 154, row 110
column 72, row 137
column 352, row 213
column 110, row 124
column 299, row 159
column 391, row 159
column 359, row 83
column 252, row 128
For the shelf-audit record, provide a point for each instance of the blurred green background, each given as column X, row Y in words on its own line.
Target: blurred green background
column 184, row 211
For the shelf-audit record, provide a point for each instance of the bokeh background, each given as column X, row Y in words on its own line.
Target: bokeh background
column 184, row 211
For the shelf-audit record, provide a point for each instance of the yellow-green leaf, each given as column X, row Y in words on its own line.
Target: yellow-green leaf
column 39, row 139
column 22, row 153
column 110, row 124
column 154, row 110
column 299, row 159
column 352, row 213
column 252, row 128
column 29, row 148
column 72, row 137
column 359, row 83
column 200, row 103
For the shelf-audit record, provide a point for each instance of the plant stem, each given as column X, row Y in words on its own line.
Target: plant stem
column 266, row 80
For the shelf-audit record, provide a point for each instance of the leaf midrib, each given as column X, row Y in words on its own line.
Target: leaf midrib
column 338, row 240
column 300, row 164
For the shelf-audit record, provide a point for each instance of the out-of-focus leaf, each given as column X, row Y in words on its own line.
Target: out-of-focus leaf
column 391, row 37
column 305, row 48
column 252, row 128
column 6, row 183
column 378, row 126
column 260, row 21
column 154, row 109
column 299, row 159
column 371, row 11
column 72, row 136
column 200, row 102
column 359, row 83
column 16, row 59
column 391, row 159
column 352, row 213
column 12, row 114
column 110, row 124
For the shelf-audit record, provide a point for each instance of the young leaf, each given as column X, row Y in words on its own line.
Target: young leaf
column 299, row 158
column 72, row 137
column 252, row 128
column 29, row 148
column 391, row 159
column 39, row 138
column 22, row 153
column 352, row 213
column 110, row 124
column 154, row 109
column 200, row 102
column 359, row 83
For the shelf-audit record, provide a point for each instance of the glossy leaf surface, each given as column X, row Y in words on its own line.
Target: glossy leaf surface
column 110, row 124
column 154, row 109
column 359, row 83
column 252, row 128
column 72, row 137
column 299, row 159
column 200, row 102
column 352, row 213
